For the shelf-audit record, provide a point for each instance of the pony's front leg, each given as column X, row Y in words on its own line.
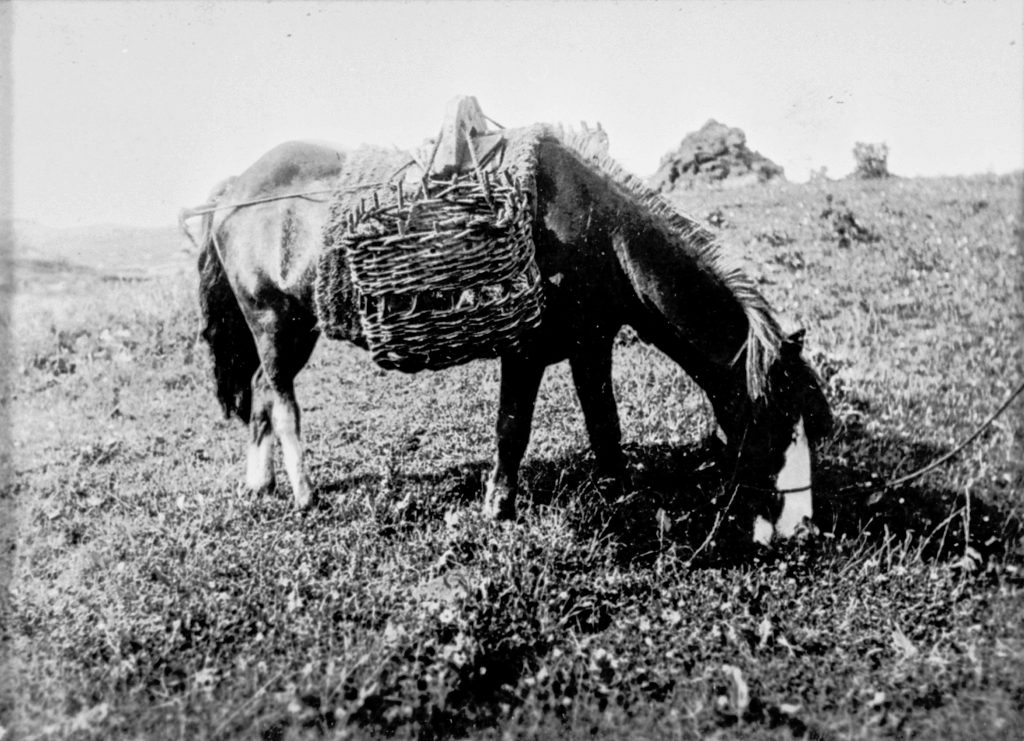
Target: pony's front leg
column 259, row 468
column 592, row 374
column 520, row 380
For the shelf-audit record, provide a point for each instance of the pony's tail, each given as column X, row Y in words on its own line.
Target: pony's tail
column 225, row 330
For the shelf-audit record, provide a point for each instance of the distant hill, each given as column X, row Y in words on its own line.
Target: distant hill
column 104, row 249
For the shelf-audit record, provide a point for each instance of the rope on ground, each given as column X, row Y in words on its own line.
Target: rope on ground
column 899, row 480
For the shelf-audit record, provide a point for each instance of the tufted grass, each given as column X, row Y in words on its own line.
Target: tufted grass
column 151, row 600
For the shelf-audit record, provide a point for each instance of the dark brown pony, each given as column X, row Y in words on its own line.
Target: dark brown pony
column 611, row 254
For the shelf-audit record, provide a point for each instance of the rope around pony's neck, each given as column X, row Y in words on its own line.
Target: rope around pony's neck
column 899, row 480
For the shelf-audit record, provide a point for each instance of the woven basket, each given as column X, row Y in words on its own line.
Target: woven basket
column 440, row 277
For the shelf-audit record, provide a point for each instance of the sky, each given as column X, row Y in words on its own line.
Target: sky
column 123, row 112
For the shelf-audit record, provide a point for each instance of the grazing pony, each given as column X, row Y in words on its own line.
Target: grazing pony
column 610, row 253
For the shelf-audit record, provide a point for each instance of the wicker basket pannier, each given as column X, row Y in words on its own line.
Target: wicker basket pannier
column 441, row 277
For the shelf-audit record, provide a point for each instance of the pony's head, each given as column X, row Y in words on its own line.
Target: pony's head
column 694, row 303
column 774, row 444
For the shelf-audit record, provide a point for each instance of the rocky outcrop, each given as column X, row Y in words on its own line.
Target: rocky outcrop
column 717, row 154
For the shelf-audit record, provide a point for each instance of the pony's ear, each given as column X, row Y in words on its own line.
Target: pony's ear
column 795, row 341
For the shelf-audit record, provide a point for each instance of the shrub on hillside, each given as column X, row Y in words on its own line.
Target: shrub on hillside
column 842, row 224
column 872, row 160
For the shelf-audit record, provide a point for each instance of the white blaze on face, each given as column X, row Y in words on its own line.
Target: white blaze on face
column 795, row 474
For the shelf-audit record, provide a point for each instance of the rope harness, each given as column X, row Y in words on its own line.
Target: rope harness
column 864, row 487
column 899, row 480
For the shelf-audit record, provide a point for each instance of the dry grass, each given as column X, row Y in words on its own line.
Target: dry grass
column 151, row 600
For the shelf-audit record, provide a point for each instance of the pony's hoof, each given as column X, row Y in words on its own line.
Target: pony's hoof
column 257, row 491
column 499, row 503
column 305, row 498
column 612, row 489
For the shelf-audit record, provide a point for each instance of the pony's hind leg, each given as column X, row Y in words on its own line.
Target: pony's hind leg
column 285, row 337
column 285, row 417
column 520, row 380
column 259, row 469
column 275, row 415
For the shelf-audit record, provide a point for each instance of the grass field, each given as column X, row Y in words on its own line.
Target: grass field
column 151, row 600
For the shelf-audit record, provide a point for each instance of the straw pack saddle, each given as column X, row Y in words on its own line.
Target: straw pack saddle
column 465, row 142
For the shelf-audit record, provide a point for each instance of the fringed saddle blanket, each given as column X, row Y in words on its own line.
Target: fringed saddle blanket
column 440, row 270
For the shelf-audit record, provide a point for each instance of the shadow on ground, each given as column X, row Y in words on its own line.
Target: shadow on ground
column 680, row 498
column 677, row 500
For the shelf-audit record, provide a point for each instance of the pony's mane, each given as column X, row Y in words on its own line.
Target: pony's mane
column 590, row 144
column 764, row 336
